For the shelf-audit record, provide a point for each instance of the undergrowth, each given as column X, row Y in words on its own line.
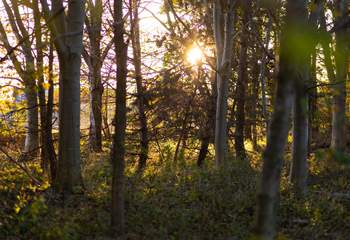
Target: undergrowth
column 175, row 202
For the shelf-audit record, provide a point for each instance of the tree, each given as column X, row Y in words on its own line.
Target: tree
column 136, row 46
column 262, row 74
column 242, row 82
column 290, row 75
column 223, row 32
column 41, row 90
column 48, row 153
column 207, row 131
column 338, row 142
column 27, row 73
column 67, row 30
column 50, row 148
column 118, row 147
column 301, row 112
column 94, row 58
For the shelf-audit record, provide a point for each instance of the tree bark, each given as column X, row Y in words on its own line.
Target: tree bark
column 301, row 116
column 32, row 123
column 67, row 30
column 298, row 175
column 255, row 98
column 224, row 47
column 326, row 40
column 94, row 61
column 273, row 155
column 51, row 154
column 262, row 76
column 41, row 89
column 313, row 94
column 208, row 130
column 96, row 90
column 242, row 83
column 135, row 38
column 339, row 121
column 118, row 148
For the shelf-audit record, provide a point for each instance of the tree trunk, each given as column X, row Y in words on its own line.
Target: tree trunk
column 203, row 151
column 69, row 48
column 326, row 40
column 183, row 129
column 242, row 83
column 51, row 154
column 313, row 121
column 301, row 116
column 298, row 174
column 273, row 155
column 262, row 75
column 118, row 148
column 96, row 90
column 41, row 89
column 314, row 18
column 338, row 141
column 69, row 123
column 32, row 123
column 27, row 73
column 94, row 61
column 255, row 99
column 327, row 46
column 135, row 38
column 224, row 47
column 208, row 131
column 106, row 127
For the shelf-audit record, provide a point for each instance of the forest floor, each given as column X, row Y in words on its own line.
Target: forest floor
column 168, row 202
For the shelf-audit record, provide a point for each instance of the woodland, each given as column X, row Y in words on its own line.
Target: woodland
column 172, row 119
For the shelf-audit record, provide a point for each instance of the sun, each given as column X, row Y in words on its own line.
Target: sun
column 195, row 55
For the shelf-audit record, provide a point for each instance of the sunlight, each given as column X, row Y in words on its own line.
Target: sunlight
column 195, row 55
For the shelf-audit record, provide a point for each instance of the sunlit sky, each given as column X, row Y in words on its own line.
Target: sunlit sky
column 194, row 55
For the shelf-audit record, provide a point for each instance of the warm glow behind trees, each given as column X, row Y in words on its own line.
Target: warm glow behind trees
column 194, row 55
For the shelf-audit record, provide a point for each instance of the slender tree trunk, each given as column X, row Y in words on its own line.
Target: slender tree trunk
column 326, row 40
column 118, row 148
column 314, row 18
column 51, row 154
column 27, row 73
column 32, row 124
column 94, row 61
column 224, row 47
column 96, row 90
column 203, row 151
column 262, row 76
column 339, row 121
column 135, row 33
column 313, row 121
column 301, row 116
column 41, row 89
column 326, row 43
column 242, row 84
column 255, row 100
column 298, row 175
column 208, row 130
column 273, row 155
column 106, row 127
column 183, row 130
